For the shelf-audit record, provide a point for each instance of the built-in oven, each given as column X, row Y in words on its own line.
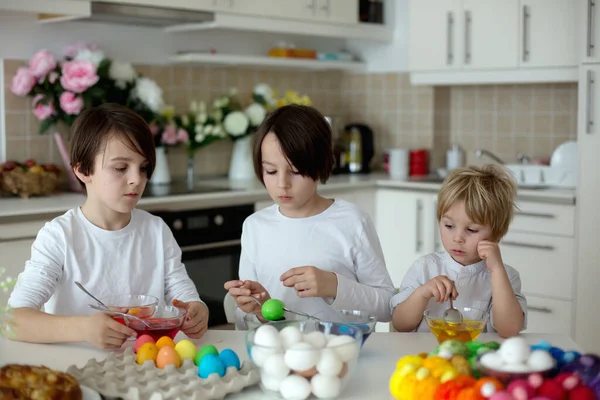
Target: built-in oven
column 211, row 247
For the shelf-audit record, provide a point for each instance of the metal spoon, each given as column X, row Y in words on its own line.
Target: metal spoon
column 452, row 315
column 288, row 310
column 80, row 286
column 109, row 311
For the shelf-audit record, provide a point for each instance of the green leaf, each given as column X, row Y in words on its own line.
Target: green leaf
column 45, row 125
column 103, row 68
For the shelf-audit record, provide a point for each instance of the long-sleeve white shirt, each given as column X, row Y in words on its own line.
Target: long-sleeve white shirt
column 141, row 258
column 341, row 239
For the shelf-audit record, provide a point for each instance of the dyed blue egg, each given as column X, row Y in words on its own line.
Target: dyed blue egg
column 542, row 345
column 230, row 359
column 570, row 356
column 211, row 364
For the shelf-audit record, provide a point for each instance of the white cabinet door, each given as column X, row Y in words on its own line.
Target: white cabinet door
column 342, row 11
column 588, row 35
column 547, row 34
column 549, row 316
column 405, row 222
column 434, row 29
column 588, row 212
column 490, row 31
column 13, row 255
column 305, row 10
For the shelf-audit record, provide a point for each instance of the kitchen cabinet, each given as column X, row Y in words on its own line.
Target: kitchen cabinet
column 587, row 324
column 588, row 35
column 547, row 33
column 196, row 5
column 338, row 11
column 407, row 226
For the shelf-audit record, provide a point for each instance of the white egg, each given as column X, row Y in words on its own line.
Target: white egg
column 540, row 360
column 260, row 354
column 317, row 339
column 301, row 357
column 268, row 336
column 326, row 387
column 275, row 367
column 329, row 364
column 492, row 360
column 345, row 346
column 329, row 336
column 295, row 387
column 514, row 350
column 270, row 383
column 290, row 335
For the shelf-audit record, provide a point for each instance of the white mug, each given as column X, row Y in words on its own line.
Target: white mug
column 398, row 163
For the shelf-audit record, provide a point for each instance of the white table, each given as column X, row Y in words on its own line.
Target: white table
column 370, row 378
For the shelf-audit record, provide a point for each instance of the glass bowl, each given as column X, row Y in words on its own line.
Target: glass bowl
column 474, row 322
column 300, row 358
column 139, row 305
column 362, row 319
column 166, row 321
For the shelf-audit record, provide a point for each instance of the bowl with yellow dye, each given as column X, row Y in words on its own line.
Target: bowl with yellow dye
column 474, row 322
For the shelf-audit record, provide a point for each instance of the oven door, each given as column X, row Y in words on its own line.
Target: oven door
column 209, row 266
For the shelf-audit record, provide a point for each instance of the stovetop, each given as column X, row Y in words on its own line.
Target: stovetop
column 178, row 188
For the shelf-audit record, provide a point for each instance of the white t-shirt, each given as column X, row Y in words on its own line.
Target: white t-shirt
column 141, row 258
column 341, row 239
column 473, row 283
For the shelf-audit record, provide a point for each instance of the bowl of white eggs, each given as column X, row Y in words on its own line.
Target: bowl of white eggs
column 300, row 359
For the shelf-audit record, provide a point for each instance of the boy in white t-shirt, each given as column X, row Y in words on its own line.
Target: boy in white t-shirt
column 475, row 208
column 106, row 244
column 313, row 253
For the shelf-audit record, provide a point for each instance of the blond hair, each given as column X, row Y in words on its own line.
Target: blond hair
column 488, row 193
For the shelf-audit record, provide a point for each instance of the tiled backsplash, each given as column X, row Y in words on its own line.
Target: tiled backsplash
column 531, row 119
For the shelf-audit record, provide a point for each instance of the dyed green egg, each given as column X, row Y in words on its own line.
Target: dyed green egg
column 272, row 310
column 208, row 349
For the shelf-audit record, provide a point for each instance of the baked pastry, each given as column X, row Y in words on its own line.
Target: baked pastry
column 37, row 383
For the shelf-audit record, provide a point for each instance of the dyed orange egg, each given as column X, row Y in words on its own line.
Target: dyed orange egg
column 168, row 356
column 146, row 352
column 165, row 341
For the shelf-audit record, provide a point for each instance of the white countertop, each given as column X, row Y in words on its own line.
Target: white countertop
column 250, row 192
column 376, row 363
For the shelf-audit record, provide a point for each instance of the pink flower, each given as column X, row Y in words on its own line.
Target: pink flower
column 72, row 49
column 53, row 77
column 153, row 129
column 40, row 110
column 41, row 63
column 71, row 103
column 182, row 136
column 22, row 82
column 78, row 76
column 169, row 135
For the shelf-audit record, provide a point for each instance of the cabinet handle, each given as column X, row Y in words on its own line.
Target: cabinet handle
column 589, row 124
column 16, row 239
column 418, row 242
column 532, row 214
column 450, row 39
column 311, row 5
column 590, row 14
column 526, row 16
column 467, row 37
column 326, row 8
column 544, row 310
column 529, row 245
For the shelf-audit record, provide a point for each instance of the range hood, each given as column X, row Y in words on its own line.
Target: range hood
column 128, row 14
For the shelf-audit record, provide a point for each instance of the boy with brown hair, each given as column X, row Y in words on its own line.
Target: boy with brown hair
column 106, row 244
column 475, row 208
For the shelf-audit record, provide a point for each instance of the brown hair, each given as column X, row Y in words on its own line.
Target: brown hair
column 488, row 193
column 305, row 139
column 94, row 126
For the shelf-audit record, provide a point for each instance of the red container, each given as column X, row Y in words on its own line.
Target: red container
column 419, row 162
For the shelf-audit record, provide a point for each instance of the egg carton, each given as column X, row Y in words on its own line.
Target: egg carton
column 120, row 376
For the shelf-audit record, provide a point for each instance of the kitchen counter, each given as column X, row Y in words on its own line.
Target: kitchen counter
column 376, row 363
column 243, row 192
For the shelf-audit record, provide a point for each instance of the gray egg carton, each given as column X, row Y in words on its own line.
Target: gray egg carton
column 120, row 376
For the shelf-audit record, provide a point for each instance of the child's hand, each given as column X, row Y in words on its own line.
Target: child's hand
column 104, row 332
column 196, row 319
column 241, row 292
column 440, row 288
column 490, row 252
column 311, row 282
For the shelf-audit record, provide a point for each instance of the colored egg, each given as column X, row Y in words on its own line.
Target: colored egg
column 165, row 341
column 272, row 310
column 186, row 349
column 211, row 364
column 230, row 359
column 146, row 352
column 141, row 340
column 208, row 349
column 167, row 356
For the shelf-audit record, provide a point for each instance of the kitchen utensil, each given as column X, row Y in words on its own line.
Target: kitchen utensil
column 288, row 310
column 452, row 315
column 80, row 286
column 124, row 315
